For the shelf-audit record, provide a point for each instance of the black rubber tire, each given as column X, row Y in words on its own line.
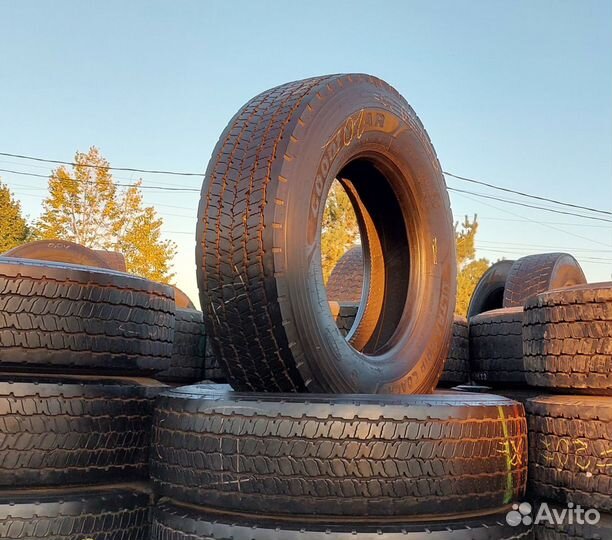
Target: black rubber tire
column 258, row 249
column 535, row 274
column 352, row 455
column 212, row 369
column 345, row 283
column 64, row 317
column 61, row 430
column 172, row 521
column 496, row 347
column 489, row 292
column 119, row 512
column 570, row 449
column 567, row 339
column 187, row 364
column 574, row 531
column 61, row 251
column 457, row 365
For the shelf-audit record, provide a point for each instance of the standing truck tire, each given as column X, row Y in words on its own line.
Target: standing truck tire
column 355, row 456
column 534, row 274
column 489, row 292
column 57, row 317
column 258, row 241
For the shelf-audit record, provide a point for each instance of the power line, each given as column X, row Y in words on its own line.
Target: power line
column 551, row 227
column 127, row 169
column 566, row 223
column 200, row 174
column 522, row 194
column 525, row 205
column 161, row 188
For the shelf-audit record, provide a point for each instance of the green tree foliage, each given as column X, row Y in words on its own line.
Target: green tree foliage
column 85, row 206
column 13, row 226
column 339, row 231
column 469, row 269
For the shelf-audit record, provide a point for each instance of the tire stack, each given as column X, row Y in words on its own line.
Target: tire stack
column 322, row 436
column 76, row 346
column 567, row 344
column 496, row 317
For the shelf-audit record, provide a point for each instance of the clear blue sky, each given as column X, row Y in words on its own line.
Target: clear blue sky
column 515, row 93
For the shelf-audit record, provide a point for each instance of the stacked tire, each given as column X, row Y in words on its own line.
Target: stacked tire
column 360, row 455
column 496, row 316
column 567, row 345
column 76, row 347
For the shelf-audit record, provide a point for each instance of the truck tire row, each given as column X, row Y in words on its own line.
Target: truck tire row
column 81, row 347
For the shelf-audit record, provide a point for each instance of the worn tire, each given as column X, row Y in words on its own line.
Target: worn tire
column 62, row 430
column 345, row 283
column 187, row 363
column 567, row 339
column 113, row 259
column 213, row 371
column 535, row 274
column 496, row 347
column 352, row 455
column 63, row 317
column 102, row 513
column 172, row 521
column 258, row 249
column 181, row 300
column 457, row 365
column 575, row 531
column 61, row 251
column 489, row 292
column 570, row 449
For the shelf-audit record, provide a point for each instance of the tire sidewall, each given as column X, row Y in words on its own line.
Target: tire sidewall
column 369, row 119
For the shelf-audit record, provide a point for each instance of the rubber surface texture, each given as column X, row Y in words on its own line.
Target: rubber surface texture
column 352, row 455
column 345, row 283
column 60, row 431
column 534, row 274
column 570, row 449
column 63, row 317
column 258, row 240
column 175, row 522
column 187, row 362
column 457, row 365
column 567, row 339
column 496, row 347
column 106, row 513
